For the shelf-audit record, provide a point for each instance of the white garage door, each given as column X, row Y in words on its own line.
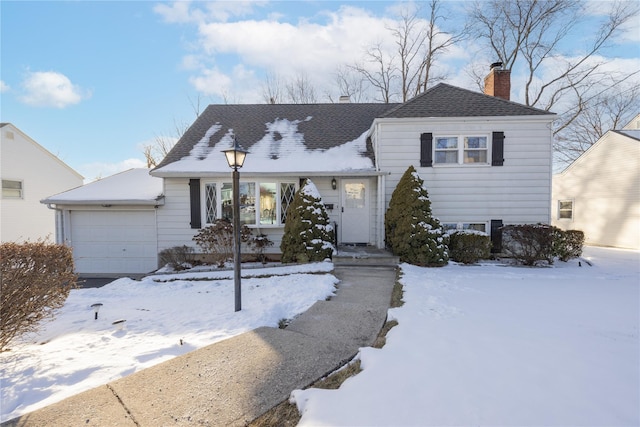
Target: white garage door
column 114, row 242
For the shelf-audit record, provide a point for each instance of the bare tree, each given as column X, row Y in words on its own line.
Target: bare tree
column 381, row 74
column 300, row 90
column 419, row 41
column 157, row 150
column 609, row 110
column 350, row 83
column 528, row 35
column 272, row 89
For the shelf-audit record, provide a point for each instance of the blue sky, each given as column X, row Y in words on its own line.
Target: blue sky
column 94, row 81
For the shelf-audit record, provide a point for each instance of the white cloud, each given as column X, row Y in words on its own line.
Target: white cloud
column 216, row 10
column 99, row 170
column 51, row 89
column 4, row 87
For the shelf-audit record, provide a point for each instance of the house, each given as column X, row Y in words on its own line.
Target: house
column 486, row 161
column 599, row 193
column 29, row 173
column 111, row 223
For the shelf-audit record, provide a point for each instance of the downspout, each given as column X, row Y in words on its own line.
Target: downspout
column 59, row 223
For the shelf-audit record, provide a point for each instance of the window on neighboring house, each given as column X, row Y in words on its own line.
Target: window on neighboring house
column 267, row 208
column 472, row 149
column 565, row 209
column 11, row 189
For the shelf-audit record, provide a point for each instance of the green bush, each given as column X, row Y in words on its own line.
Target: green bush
column 36, row 280
column 412, row 233
column 469, row 246
column 530, row 244
column 567, row 244
column 308, row 234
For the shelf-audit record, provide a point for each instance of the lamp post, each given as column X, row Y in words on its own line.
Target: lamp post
column 235, row 159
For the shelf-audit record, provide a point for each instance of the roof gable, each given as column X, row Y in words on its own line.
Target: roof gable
column 443, row 100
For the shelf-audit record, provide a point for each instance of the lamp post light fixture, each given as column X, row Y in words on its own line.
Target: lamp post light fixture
column 235, row 158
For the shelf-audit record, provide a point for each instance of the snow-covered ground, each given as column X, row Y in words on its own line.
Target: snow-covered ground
column 479, row 345
column 164, row 319
column 491, row 345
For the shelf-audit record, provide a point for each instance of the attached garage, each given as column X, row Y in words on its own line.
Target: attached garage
column 114, row 241
column 111, row 224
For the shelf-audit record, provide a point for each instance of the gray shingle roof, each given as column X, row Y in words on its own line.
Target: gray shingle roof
column 444, row 100
column 331, row 124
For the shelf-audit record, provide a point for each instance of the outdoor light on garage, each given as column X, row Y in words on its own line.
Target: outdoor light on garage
column 235, row 159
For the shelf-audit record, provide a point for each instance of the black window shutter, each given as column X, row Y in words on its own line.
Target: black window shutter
column 496, row 236
column 426, row 150
column 194, row 197
column 497, row 149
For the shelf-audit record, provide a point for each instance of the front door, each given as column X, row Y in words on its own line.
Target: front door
column 355, row 211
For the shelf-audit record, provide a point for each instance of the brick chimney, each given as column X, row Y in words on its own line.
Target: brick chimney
column 498, row 82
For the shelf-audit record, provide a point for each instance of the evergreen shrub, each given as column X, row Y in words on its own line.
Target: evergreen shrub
column 308, row 233
column 412, row 233
column 567, row 244
column 469, row 246
column 531, row 244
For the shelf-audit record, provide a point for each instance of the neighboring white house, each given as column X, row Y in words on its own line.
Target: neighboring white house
column 599, row 193
column 486, row 161
column 29, row 174
column 111, row 223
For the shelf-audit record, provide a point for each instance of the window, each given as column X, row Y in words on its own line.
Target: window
column 565, row 209
column 471, row 149
column 268, row 207
column 476, row 226
column 11, row 189
column 211, row 204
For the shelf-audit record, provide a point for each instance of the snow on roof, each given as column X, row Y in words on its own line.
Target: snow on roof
column 131, row 187
column 281, row 149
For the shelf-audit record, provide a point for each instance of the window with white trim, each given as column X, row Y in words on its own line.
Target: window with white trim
column 268, row 207
column 461, row 149
column 456, row 226
column 11, row 189
column 565, row 209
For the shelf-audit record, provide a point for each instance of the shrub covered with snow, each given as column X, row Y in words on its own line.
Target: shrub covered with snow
column 469, row 246
column 36, row 280
column 412, row 233
column 308, row 234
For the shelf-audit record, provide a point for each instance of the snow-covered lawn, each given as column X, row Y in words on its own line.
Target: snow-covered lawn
column 491, row 345
column 480, row 345
column 163, row 320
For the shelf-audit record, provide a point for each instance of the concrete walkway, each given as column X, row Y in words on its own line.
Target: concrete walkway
column 232, row 382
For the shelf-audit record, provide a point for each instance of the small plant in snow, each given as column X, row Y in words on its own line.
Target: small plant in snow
column 412, row 233
column 217, row 240
column 177, row 257
column 259, row 244
column 308, row 234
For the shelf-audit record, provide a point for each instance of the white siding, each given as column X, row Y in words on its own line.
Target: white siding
column 42, row 175
column 518, row 192
column 604, row 185
column 174, row 217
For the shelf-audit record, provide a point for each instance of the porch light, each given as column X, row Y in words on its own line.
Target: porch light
column 96, row 308
column 235, row 159
column 334, row 183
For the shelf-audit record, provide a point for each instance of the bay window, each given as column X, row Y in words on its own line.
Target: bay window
column 265, row 207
